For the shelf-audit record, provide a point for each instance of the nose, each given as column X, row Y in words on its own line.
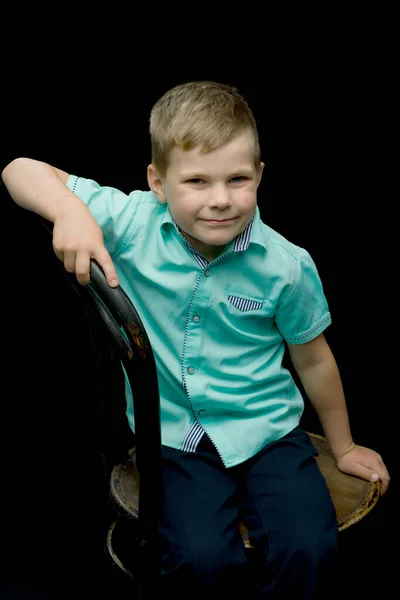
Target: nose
column 219, row 197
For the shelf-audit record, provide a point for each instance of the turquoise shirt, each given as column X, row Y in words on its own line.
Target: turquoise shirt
column 217, row 329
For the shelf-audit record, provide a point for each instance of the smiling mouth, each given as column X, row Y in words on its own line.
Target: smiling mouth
column 218, row 220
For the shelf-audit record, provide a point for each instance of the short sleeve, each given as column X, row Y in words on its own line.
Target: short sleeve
column 304, row 313
column 113, row 210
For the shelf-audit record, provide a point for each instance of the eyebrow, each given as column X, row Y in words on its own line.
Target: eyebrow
column 236, row 173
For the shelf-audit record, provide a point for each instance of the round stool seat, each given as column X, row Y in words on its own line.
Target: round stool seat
column 352, row 496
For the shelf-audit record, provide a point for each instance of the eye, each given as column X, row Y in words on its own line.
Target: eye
column 195, row 181
column 238, row 179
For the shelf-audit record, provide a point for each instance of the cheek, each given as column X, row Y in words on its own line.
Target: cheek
column 189, row 205
column 247, row 200
column 183, row 211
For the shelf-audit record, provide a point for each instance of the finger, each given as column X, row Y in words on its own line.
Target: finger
column 82, row 268
column 384, row 477
column 69, row 261
column 360, row 470
column 376, row 475
column 381, row 473
column 59, row 254
column 384, row 484
column 104, row 260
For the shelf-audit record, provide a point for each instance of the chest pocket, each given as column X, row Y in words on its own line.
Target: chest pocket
column 246, row 317
column 245, row 304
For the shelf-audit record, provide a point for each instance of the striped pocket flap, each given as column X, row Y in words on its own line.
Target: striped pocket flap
column 243, row 304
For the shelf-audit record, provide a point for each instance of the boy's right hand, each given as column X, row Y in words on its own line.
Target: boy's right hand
column 77, row 238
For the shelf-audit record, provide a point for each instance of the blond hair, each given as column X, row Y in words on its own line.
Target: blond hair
column 202, row 114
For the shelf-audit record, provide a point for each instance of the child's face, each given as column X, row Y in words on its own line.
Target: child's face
column 213, row 196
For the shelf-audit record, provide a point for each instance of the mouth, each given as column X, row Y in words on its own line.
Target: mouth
column 219, row 221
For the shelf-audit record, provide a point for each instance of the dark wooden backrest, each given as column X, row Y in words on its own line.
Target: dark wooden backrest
column 120, row 322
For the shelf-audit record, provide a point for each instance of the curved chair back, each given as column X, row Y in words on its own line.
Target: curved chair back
column 116, row 315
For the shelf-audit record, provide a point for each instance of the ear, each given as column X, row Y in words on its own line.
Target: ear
column 156, row 183
column 260, row 172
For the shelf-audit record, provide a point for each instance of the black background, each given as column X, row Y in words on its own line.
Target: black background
column 326, row 133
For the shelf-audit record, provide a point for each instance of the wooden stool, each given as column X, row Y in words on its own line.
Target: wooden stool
column 352, row 497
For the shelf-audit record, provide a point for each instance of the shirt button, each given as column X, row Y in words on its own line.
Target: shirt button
column 202, row 412
column 196, row 318
column 207, row 273
column 190, row 370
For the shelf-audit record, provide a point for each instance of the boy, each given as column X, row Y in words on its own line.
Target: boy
column 221, row 296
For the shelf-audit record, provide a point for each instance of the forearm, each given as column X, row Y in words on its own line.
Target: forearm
column 323, row 386
column 36, row 186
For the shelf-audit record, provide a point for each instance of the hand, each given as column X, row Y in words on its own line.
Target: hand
column 77, row 238
column 365, row 463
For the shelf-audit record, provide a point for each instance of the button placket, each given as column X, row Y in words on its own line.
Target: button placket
column 193, row 341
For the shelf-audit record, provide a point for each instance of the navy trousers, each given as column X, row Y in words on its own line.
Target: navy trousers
column 281, row 496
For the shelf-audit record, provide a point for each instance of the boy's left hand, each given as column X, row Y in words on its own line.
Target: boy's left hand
column 365, row 463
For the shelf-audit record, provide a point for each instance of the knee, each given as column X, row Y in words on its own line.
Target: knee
column 309, row 547
column 205, row 565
